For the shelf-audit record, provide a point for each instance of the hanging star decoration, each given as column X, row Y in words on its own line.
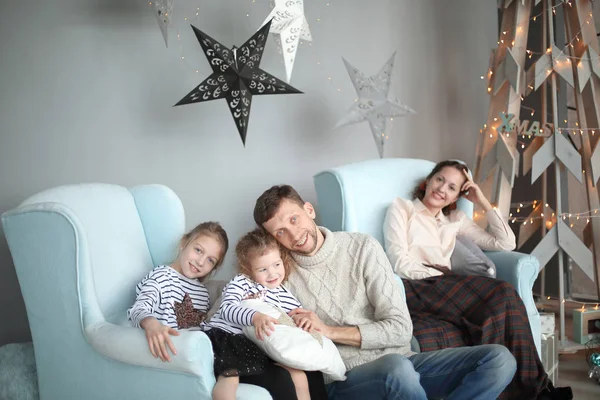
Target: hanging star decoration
column 290, row 24
column 236, row 76
column 162, row 12
column 187, row 316
column 374, row 103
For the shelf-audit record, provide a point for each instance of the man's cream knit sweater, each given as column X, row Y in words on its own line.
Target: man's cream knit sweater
column 349, row 282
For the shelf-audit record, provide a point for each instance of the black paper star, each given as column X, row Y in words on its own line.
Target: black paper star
column 236, row 76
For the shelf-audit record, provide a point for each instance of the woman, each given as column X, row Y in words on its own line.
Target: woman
column 420, row 236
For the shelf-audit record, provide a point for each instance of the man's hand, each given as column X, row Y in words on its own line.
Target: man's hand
column 263, row 325
column 308, row 320
column 158, row 336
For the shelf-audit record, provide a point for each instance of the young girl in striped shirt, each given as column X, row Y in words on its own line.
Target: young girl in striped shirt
column 172, row 296
column 263, row 269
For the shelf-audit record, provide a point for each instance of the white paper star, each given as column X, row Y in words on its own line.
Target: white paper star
column 374, row 103
column 289, row 22
column 162, row 12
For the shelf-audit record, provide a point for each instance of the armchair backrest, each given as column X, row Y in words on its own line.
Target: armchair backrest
column 103, row 238
column 355, row 197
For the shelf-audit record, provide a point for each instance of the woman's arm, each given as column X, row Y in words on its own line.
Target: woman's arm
column 501, row 236
column 395, row 233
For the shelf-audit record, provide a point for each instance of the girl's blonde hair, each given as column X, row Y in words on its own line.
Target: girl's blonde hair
column 213, row 230
column 255, row 244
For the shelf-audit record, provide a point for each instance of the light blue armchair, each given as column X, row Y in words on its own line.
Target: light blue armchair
column 355, row 198
column 79, row 252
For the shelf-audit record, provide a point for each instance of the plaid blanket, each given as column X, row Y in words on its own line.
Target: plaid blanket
column 456, row 310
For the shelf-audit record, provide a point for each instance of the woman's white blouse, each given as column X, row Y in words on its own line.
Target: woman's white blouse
column 413, row 237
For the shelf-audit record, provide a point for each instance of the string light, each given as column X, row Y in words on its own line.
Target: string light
column 570, row 44
column 587, row 215
column 596, row 306
column 556, row 59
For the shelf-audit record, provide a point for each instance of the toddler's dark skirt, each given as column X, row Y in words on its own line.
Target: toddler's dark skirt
column 236, row 355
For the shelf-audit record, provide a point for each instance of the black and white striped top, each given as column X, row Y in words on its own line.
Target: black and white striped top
column 231, row 316
column 157, row 292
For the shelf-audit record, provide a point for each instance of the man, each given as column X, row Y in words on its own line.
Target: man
column 348, row 281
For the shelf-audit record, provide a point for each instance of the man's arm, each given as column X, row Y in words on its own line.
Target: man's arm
column 392, row 326
column 349, row 335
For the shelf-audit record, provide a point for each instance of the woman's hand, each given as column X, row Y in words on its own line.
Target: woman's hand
column 263, row 325
column 158, row 338
column 442, row 268
column 474, row 193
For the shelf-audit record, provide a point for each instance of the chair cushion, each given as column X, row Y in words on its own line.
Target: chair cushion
column 468, row 259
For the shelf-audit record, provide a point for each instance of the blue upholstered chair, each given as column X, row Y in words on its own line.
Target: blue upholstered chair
column 355, row 198
column 79, row 251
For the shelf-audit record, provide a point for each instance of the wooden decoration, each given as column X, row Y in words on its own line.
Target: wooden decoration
column 535, row 219
column 577, row 64
column 556, row 148
column 509, row 70
column 497, row 157
column 587, row 66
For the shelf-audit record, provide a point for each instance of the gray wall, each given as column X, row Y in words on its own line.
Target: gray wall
column 87, row 88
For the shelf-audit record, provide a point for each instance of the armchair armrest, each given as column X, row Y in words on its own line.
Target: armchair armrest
column 521, row 271
column 129, row 345
column 518, row 269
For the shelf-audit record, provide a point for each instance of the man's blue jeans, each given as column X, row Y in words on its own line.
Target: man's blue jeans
column 478, row 372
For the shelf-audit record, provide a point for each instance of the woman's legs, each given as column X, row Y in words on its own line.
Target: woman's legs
column 487, row 311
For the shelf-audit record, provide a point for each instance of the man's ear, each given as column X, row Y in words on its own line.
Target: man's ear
column 310, row 210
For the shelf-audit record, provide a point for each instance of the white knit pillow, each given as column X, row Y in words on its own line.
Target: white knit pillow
column 295, row 348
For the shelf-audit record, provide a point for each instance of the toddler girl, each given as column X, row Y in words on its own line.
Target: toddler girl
column 263, row 269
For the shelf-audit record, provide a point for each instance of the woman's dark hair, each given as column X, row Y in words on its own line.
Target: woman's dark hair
column 419, row 191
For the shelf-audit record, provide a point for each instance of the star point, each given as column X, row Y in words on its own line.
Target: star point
column 162, row 11
column 290, row 23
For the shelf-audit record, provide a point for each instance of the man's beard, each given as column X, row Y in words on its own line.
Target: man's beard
column 313, row 234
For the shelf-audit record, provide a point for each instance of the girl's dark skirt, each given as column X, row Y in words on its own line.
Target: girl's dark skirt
column 236, row 355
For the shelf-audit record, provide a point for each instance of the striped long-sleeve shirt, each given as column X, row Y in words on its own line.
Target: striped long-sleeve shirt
column 231, row 316
column 157, row 292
